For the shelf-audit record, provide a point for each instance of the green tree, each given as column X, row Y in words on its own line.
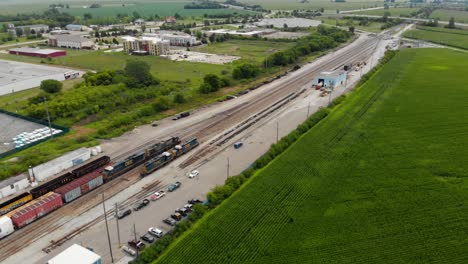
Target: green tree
column 139, row 73
column 213, row 80
column 179, row 98
column 87, row 16
column 451, row 23
column 245, row 71
column 51, row 86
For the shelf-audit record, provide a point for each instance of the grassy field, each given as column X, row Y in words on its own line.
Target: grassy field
column 445, row 15
column 371, row 27
column 161, row 68
column 383, row 179
column 393, row 11
column 315, row 4
column 250, row 50
column 145, row 9
column 450, row 37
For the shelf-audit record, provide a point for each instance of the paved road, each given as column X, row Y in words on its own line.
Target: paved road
column 6, row 46
column 213, row 169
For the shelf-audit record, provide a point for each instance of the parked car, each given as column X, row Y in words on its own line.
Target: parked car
column 174, row 186
column 154, row 124
column 230, row 97
column 147, row 238
column 122, row 214
column 181, row 115
column 141, row 204
column 182, row 211
column 176, row 216
column 170, row 221
column 193, row 174
column 194, row 201
column 155, row 232
column 136, row 244
column 128, row 250
column 238, row 145
column 158, row 195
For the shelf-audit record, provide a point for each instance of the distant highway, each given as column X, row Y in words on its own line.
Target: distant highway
column 408, row 19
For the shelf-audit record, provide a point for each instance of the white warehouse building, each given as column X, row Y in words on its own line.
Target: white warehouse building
column 70, row 41
column 76, row 254
column 175, row 38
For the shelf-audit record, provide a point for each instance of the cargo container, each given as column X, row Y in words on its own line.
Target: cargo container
column 81, row 186
column 6, row 226
column 35, row 209
column 91, row 166
column 52, row 185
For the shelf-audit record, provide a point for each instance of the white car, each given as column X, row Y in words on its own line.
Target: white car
column 157, row 195
column 155, row 232
column 193, row 174
column 129, row 250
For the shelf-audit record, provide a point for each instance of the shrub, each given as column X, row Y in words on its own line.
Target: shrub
column 51, row 86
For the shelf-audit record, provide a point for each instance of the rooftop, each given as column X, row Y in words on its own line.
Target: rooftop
column 75, row 254
column 333, row 73
column 35, row 50
column 75, row 38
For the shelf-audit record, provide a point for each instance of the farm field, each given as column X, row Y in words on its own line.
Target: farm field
column 445, row 15
column 382, row 179
column 348, row 5
column 145, row 9
column 250, row 50
column 450, row 37
column 393, row 11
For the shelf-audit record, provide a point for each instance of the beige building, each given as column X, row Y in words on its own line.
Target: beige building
column 150, row 45
column 70, row 41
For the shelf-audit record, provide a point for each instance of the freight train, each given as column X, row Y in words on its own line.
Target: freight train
column 138, row 158
column 166, row 157
column 27, row 207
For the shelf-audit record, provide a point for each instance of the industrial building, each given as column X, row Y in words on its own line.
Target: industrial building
column 36, row 52
column 76, row 254
column 175, row 38
column 70, row 41
column 331, row 79
column 146, row 45
column 38, row 28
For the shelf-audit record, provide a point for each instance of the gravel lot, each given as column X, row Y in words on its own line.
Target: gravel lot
column 18, row 76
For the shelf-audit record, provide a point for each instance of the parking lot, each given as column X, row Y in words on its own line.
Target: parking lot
column 18, row 76
column 182, row 55
column 11, row 127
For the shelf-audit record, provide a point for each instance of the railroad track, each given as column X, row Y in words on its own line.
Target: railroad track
column 240, row 117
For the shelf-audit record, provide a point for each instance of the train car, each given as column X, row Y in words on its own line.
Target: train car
column 52, row 184
column 80, row 186
column 91, row 166
column 156, row 163
column 6, row 226
column 123, row 166
column 186, row 147
column 15, row 202
column 38, row 208
column 160, row 147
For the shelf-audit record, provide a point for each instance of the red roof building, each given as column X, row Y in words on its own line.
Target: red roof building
column 35, row 52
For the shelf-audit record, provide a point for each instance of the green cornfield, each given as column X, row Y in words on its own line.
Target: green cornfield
column 382, row 179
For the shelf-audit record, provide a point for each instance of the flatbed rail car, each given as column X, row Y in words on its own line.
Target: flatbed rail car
column 15, row 202
column 131, row 162
column 166, row 157
column 69, row 176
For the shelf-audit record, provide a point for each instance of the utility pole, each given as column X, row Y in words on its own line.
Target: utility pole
column 135, row 236
column 117, row 221
column 308, row 110
column 107, row 227
column 48, row 116
column 227, row 175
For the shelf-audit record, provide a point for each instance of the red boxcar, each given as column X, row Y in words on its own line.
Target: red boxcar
column 80, row 186
column 35, row 209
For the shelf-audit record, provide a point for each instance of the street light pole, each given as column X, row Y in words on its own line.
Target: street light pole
column 107, row 227
column 227, row 175
column 117, row 221
column 48, row 116
column 277, row 131
column 134, row 235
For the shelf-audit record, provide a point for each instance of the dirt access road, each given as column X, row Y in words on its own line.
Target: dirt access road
column 211, row 124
